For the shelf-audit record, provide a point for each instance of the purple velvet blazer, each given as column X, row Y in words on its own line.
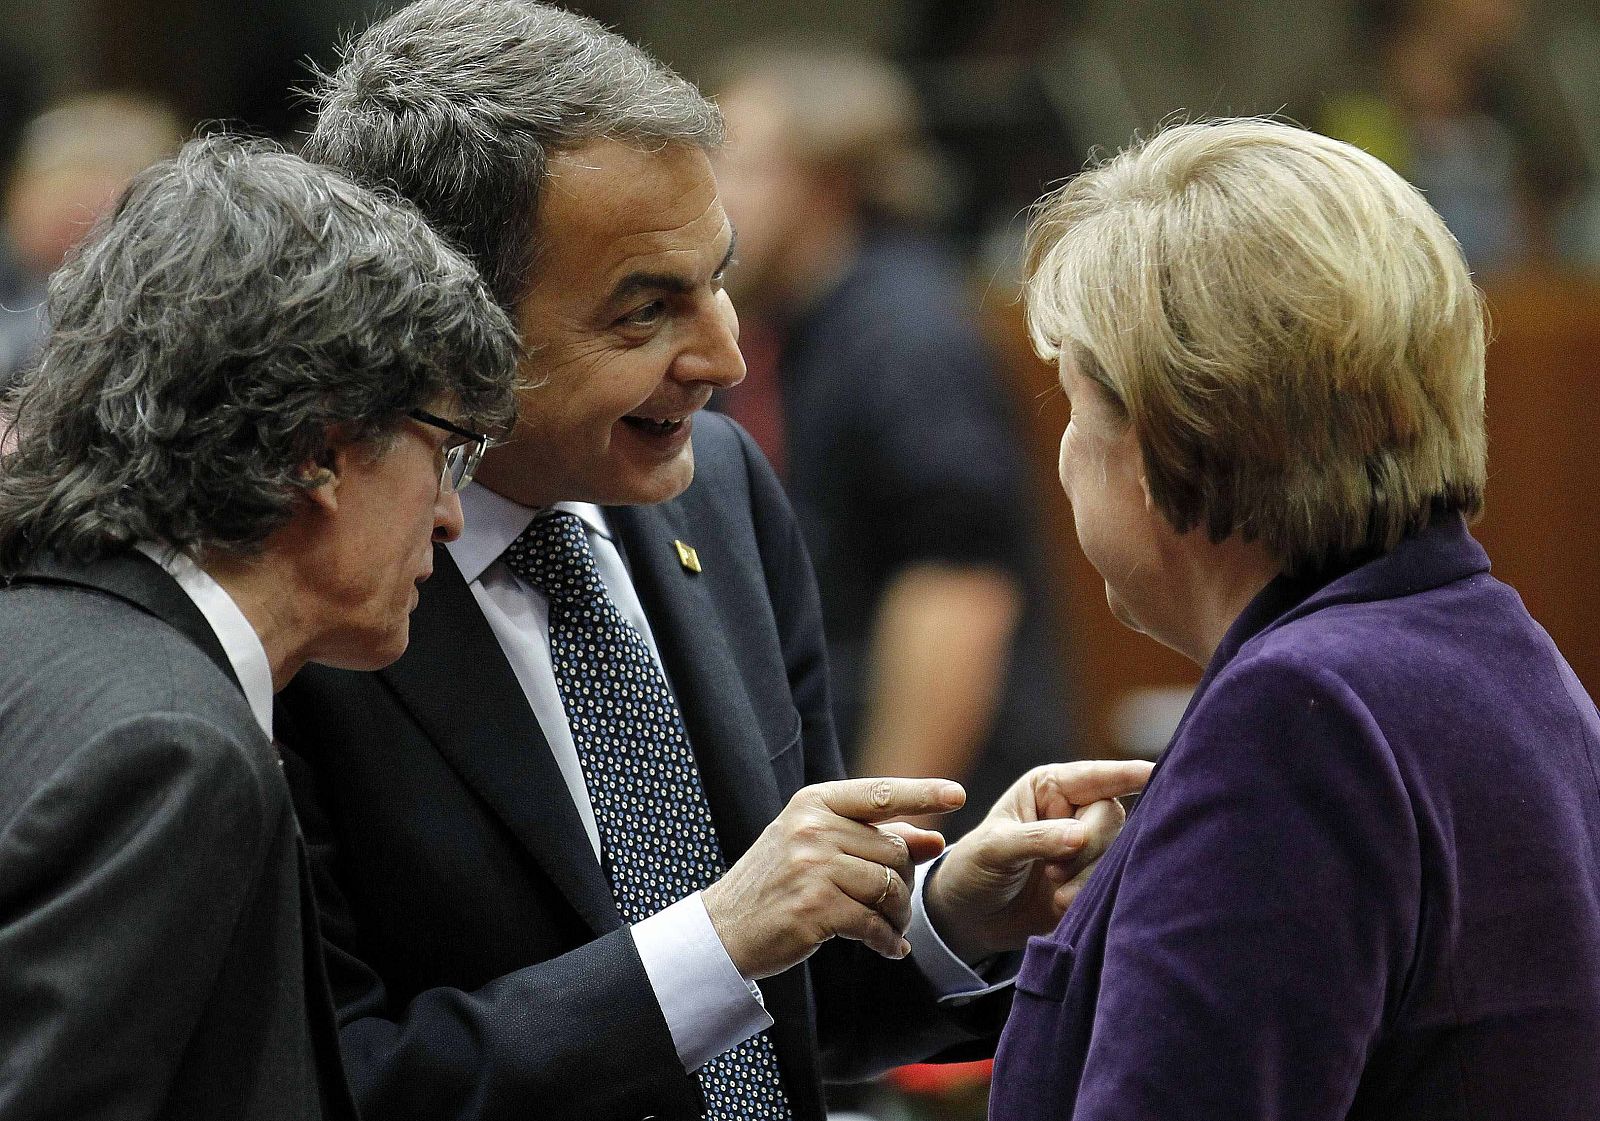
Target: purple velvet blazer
column 1364, row 881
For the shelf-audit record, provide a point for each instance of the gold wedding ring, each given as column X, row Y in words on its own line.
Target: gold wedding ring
column 888, row 882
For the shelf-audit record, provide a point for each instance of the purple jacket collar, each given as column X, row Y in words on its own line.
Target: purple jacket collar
column 1438, row 554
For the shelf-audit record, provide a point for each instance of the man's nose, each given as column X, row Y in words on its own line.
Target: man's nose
column 448, row 520
column 714, row 356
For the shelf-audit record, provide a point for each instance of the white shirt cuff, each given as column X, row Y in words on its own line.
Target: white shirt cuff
column 708, row 1006
column 951, row 978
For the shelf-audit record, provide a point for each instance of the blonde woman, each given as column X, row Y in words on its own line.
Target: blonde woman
column 1363, row 881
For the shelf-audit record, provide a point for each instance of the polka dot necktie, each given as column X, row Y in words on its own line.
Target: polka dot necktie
column 657, row 840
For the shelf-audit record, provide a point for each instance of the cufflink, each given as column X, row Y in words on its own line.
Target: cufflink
column 687, row 556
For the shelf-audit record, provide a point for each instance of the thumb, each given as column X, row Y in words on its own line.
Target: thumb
column 1009, row 844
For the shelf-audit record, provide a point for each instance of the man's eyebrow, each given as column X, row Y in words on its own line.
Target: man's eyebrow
column 672, row 284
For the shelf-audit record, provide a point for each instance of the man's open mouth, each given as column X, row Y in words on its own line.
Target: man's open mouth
column 653, row 427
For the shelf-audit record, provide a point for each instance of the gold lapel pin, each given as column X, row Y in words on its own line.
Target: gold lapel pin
column 687, row 556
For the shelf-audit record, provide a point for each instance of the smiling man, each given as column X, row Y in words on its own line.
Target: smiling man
column 586, row 850
column 631, row 326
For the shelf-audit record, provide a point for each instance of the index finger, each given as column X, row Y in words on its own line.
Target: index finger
column 1093, row 780
column 883, row 799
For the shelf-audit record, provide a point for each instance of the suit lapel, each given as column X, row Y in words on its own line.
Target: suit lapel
column 703, row 669
column 130, row 575
column 478, row 718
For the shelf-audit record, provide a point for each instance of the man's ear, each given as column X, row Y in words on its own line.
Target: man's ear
column 319, row 476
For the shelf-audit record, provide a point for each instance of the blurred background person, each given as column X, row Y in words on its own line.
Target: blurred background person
column 874, row 392
column 1447, row 93
column 72, row 163
column 872, row 388
column 1006, row 87
column 19, row 104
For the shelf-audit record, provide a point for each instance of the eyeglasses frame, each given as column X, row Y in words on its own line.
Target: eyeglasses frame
column 480, row 443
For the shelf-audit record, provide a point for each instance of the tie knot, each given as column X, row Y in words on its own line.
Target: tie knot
column 553, row 555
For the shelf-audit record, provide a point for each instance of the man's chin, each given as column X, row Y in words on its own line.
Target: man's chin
column 618, row 479
column 659, row 483
column 370, row 656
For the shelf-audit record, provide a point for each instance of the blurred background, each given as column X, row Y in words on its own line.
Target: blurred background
column 883, row 155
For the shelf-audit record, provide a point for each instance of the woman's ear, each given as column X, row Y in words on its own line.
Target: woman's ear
column 1144, row 469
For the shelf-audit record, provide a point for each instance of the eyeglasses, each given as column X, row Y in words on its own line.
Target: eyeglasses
column 460, row 460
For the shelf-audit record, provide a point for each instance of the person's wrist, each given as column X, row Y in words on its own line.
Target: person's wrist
column 726, row 928
column 946, row 918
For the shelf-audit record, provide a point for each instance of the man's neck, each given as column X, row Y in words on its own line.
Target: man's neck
column 265, row 593
column 240, row 641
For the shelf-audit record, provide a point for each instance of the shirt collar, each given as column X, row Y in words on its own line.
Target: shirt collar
column 494, row 522
column 238, row 638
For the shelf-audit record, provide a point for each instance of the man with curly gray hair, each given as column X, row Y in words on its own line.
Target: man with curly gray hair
column 588, row 850
column 263, row 388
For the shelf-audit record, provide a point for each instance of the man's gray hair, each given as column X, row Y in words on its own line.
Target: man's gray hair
column 458, row 105
column 236, row 313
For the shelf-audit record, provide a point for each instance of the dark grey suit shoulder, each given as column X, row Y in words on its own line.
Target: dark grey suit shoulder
column 152, row 924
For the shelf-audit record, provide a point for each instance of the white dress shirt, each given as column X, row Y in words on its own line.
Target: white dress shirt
column 709, row 1008
column 238, row 638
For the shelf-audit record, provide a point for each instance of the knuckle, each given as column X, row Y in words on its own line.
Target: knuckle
column 861, row 924
column 810, row 829
column 816, row 932
column 808, row 856
column 881, row 793
column 809, row 799
column 816, row 894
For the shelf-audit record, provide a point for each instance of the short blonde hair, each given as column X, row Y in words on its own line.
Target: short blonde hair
column 1289, row 327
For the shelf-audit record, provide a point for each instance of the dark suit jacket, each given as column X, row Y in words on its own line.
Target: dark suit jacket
column 158, row 947
column 1364, row 881
column 479, row 964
